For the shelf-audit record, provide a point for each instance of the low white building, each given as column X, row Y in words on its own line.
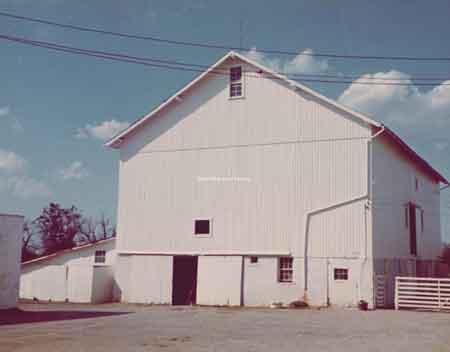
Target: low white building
column 11, row 231
column 82, row 274
column 248, row 188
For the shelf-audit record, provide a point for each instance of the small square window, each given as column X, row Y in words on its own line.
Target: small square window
column 100, row 256
column 285, row 269
column 340, row 274
column 202, row 227
column 253, row 260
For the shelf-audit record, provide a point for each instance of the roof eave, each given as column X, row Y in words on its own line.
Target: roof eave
column 416, row 157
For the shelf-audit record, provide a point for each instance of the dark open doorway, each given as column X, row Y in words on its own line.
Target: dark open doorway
column 184, row 282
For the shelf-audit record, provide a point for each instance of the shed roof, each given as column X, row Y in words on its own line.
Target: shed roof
column 421, row 163
column 66, row 251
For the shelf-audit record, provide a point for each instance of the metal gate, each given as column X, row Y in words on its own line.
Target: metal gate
column 422, row 293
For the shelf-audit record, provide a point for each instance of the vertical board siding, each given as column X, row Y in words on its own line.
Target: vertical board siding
column 393, row 187
column 261, row 286
column 219, row 280
column 288, row 153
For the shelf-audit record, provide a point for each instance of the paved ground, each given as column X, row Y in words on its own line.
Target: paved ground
column 68, row 327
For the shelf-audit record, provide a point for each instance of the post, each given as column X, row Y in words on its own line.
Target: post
column 439, row 293
column 396, row 292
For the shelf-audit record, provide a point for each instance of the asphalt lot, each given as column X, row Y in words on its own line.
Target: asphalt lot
column 117, row 327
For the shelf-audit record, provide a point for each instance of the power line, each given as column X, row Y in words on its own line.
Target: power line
column 205, row 67
column 216, row 46
column 173, row 65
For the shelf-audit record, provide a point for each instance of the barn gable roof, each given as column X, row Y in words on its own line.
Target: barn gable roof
column 66, row 251
column 116, row 141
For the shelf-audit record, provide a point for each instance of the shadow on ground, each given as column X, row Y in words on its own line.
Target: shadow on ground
column 18, row 316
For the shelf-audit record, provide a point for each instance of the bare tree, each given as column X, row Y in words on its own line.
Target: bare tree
column 30, row 249
column 107, row 230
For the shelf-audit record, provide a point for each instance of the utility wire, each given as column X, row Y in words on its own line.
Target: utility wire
column 216, row 46
column 205, row 67
column 173, row 65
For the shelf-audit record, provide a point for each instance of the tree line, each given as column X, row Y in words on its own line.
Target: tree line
column 58, row 228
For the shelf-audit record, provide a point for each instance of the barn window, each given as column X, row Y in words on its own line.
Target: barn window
column 422, row 226
column 202, row 227
column 412, row 229
column 340, row 274
column 253, row 260
column 406, row 215
column 236, row 82
column 100, row 256
column 285, row 269
column 416, row 183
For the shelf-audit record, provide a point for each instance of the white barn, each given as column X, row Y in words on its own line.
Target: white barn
column 11, row 231
column 247, row 188
column 83, row 274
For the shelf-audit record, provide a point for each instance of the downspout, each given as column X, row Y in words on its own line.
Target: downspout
column 367, row 195
column 368, row 206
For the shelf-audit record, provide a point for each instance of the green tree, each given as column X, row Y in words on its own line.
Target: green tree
column 58, row 227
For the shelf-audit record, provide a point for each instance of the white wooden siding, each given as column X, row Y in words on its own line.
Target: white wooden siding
column 393, row 187
column 290, row 153
column 69, row 275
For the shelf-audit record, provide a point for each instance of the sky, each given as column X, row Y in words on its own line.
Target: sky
column 57, row 109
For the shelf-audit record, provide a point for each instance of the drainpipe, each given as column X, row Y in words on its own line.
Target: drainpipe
column 368, row 206
column 367, row 195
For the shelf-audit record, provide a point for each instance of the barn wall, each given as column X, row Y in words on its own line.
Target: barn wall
column 219, row 280
column 237, row 162
column 261, row 286
column 393, row 187
column 256, row 167
column 150, row 280
column 11, row 229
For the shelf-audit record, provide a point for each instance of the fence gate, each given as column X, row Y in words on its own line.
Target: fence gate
column 422, row 293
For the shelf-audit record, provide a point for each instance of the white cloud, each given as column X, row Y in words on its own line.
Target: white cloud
column 102, row 131
column 14, row 178
column 28, row 187
column 407, row 107
column 304, row 62
column 11, row 162
column 75, row 171
column 4, row 111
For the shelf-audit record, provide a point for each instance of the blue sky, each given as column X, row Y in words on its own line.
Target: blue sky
column 57, row 109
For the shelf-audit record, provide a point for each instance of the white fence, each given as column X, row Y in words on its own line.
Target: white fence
column 422, row 293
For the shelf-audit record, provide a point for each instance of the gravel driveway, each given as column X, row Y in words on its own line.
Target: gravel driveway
column 117, row 327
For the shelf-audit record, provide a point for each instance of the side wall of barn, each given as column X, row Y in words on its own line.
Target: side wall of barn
column 396, row 183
